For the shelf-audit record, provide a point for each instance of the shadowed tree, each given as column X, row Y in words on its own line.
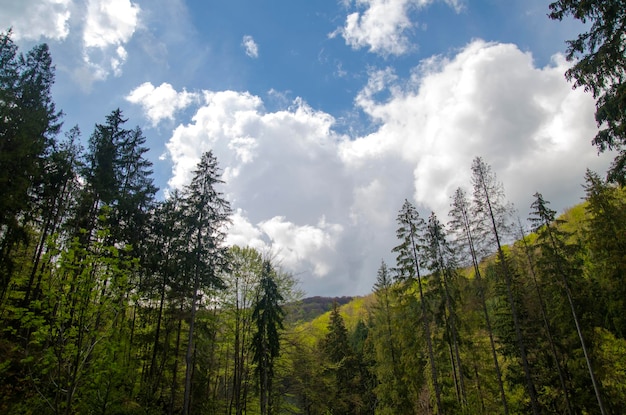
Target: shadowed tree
column 555, row 254
column 544, row 316
column 600, row 68
column 29, row 123
column 268, row 318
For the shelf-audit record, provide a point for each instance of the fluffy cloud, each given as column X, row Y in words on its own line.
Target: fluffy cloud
column 109, row 24
column 325, row 204
column 252, row 49
column 34, row 19
column 490, row 101
column 383, row 25
column 99, row 28
column 161, row 102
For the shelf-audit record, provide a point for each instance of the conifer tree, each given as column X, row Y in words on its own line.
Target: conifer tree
column 268, row 317
column 442, row 264
column 391, row 390
column 490, row 209
column 606, row 242
column 600, row 68
column 206, row 213
column 343, row 367
column 465, row 227
column 555, row 254
column 29, row 124
column 544, row 316
column 410, row 233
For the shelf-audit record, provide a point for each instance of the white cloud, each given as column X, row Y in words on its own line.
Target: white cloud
column 109, row 22
column 34, row 19
column 251, row 47
column 490, row 101
column 383, row 26
column 326, row 204
column 108, row 25
column 161, row 102
column 306, row 245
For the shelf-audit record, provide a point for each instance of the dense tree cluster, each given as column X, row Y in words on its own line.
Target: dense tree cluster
column 517, row 328
column 112, row 301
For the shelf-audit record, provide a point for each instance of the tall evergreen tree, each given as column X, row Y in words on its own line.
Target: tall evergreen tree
column 441, row 262
column 410, row 233
column 336, row 348
column 465, row 226
column 555, row 256
column 206, row 213
column 392, row 391
column 529, row 253
column 490, row 208
column 606, row 243
column 268, row 317
column 29, row 124
column 118, row 176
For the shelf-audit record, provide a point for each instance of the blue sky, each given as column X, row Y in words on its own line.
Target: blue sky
column 325, row 115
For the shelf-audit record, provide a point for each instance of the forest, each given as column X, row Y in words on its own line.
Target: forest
column 115, row 302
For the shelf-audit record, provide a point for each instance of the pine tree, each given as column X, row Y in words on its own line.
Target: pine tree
column 206, row 213
column 442, row 264
column 606, row 243
column 461, row 222
column 555, row 254
column 528, row 251
column 337, row 351
column 410, row 233
column 268, row 317
column 492, row 211
column 391, row 391
column 29, row 124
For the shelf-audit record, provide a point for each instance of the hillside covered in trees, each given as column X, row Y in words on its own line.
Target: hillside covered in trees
column 114, row 302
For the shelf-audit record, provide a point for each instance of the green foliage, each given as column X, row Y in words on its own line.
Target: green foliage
column 112, row 302
column 268, row 318
column 600, row 68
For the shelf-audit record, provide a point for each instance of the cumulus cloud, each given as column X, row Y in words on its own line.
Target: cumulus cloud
column 326, row 204
column 250, row 46
column 161, row 102
column 35, row 19
column 99, row 30
column 489, row 100
column 383, row 26
column 109, row 25
column 109, row 22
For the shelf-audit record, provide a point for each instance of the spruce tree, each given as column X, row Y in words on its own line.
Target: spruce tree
column 555, row 255
column 410, row 233
column 441, row 262
column 467, row 229
column 491, row 209
column 29, row 124
column 206, row 213
column 268, row 318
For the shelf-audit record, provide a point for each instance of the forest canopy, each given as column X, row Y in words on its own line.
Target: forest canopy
column 112, row 301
